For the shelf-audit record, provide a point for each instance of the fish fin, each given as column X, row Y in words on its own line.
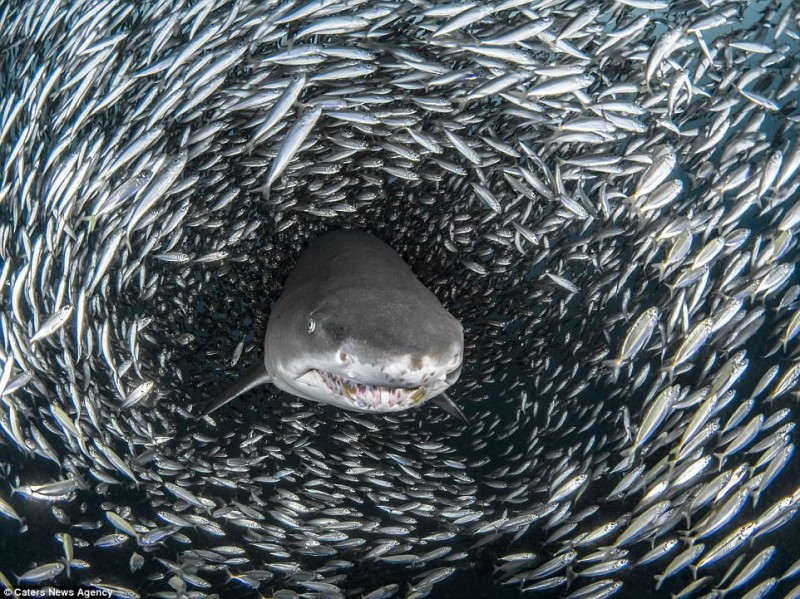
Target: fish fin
column 630, row 459
column 721, row 457
column 775, row 349
column 570, row 576
column 253, row 377
column 520, row 533
column 448, row 405
column 615, row 366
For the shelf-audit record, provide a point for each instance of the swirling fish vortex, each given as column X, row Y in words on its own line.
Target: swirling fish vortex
column 605, row 193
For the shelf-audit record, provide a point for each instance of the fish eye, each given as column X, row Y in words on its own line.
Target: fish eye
column 342, row 357
column 311, row 324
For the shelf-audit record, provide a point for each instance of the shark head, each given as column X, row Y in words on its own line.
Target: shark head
column 371, row 350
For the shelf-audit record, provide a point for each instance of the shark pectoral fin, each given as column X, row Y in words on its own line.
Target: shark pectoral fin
column 448, row 405
column 254, row 376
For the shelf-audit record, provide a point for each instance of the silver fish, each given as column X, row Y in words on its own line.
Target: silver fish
column 591, row 188
column 294, row 139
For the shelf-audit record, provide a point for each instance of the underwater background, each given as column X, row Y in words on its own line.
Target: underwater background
column 604, row 193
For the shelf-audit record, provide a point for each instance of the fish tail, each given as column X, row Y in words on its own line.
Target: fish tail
column 615, row 368
column 670, row 369
column 721, row 458
column 570, row 576
column 675, row 454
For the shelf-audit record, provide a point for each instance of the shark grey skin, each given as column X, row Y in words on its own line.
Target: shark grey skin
column 354, row 328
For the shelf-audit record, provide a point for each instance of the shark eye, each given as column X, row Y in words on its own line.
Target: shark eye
column 311, row 324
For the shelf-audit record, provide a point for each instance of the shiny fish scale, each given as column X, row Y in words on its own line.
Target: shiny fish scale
column 552, row 171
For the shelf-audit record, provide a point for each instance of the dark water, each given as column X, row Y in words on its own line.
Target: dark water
column 18, row 552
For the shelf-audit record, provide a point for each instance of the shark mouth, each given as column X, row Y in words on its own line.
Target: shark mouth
column 372, row 397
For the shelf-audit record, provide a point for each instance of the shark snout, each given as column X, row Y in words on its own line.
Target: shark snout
column 405, row 370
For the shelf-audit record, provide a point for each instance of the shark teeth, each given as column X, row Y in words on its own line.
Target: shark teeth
column 372, row 397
